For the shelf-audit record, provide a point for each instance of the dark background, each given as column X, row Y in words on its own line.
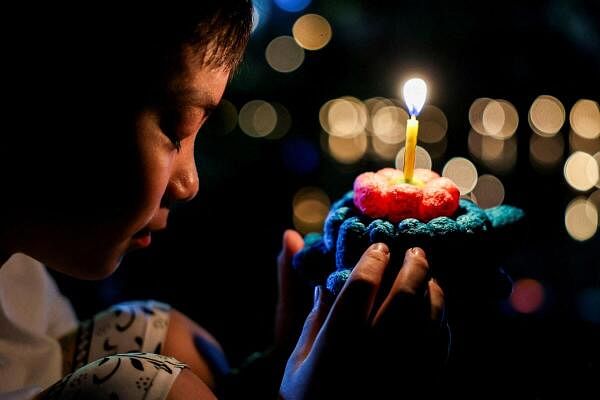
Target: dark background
column 216, row 262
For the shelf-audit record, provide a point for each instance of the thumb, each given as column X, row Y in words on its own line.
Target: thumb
column 288, row 320
column 313, row 323
column 292, row 243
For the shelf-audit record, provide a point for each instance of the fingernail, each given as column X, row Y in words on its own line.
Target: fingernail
column 381, row 247
column 317, row 295
column 417, row 251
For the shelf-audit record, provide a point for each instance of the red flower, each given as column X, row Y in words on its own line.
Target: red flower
column 385, row 194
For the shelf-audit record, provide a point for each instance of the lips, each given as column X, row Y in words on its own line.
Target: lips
column 142, row 238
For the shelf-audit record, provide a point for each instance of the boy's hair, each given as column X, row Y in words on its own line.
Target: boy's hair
column 78, row 75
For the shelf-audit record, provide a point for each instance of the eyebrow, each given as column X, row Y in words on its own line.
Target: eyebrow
column 195, row 98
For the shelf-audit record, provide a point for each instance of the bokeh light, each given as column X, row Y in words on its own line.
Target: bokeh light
column 347, row 150
column 257, row 118
column 546, row 152
column 433, row 124
column 292, row 5
column 310, row 206
column 527, row 296
column 581, row 219
column 493, row 118
column 312, row 31
column 546, row 116
column 223, row 120
column 581, row 171
column 261, row 10
column 508, row 115
column 382, row 150
column 585, row 119
column 389, row 124
column 476, row 114
column 588, row 303
column 597, row 158
column 284, row 55
column 438, row 149
column 284, row 122
column 595, row 200
column 488, row 192
column 462, row 172
column 422, row 158
column 496, row 118
column 497, row 154
column 579, row 143
column 344, row 117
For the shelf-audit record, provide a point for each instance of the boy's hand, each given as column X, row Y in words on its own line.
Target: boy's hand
column 346, row 348
column 292, row 305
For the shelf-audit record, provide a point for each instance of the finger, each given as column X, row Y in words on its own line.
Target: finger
column 409, row 287
column 291, row 244
column 353, row 305
column 436, row 301
column 287, row 320
column 313, row 323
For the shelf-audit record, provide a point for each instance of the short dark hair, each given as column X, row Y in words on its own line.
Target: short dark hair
column 83, row 73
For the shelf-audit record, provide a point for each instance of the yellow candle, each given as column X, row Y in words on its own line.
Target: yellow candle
column 414, row 91
column 412, row 129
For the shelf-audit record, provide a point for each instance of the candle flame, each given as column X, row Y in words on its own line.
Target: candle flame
column 414, row 92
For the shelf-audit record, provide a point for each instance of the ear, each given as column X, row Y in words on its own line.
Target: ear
column 504, row 215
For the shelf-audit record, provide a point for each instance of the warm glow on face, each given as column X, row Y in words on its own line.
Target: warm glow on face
column 414, row 92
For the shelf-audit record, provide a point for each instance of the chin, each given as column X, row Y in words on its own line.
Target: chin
column 93, row 267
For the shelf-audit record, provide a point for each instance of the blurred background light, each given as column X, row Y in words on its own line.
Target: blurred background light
column 527, row 296
column 546, row 116
column 292, row 5
column 382, row 150
column 546, row 152
column 597, row 158
column 388, row 124
column 283, row 123
column 344, row 117
column 495, row 118
column 347, row 150
column 438, row 149
column 476, row 114
column 585, row 119
column 581, row 171
column 499, row 155
column 462, row 172
column 261, row 11
column 433, row 124
column 595, row 200
column 488, row 192
column 588, row 304
column 312, row 32
column 422, row 158
column 310, row 207
column 581, row 219
column 284, row 55
column 223, row 120
column 257, row 118
column 579, row 143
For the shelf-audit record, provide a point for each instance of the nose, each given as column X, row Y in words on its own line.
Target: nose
column 183, row 185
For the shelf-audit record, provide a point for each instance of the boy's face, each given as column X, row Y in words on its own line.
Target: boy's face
column 134, row 198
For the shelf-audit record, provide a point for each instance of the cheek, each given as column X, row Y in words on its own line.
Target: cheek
column 156, row 170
